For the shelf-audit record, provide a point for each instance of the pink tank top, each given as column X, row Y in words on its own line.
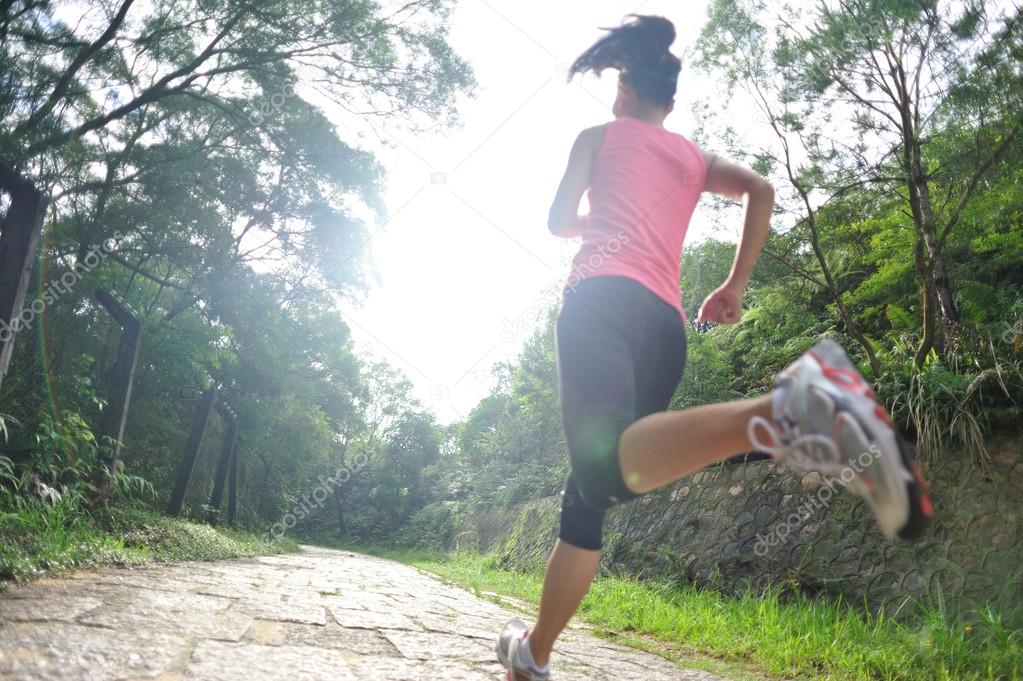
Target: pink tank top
column 644, row 185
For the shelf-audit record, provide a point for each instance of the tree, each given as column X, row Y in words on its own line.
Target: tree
column 890, row 65
column 886, row 69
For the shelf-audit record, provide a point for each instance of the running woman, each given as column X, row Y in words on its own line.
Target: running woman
column 621, row 341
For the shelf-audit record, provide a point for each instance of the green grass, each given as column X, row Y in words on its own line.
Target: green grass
column 39, row 537
column 771, row 635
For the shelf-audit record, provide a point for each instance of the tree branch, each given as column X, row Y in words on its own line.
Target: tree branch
column 61, row 88
column 971, row 185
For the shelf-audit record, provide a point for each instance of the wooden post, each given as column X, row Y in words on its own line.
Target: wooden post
column 20, row 228
column 119, row 399
column 195, row 438
column 226, row 452
column 232, row 489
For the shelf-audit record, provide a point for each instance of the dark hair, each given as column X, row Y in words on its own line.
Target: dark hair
column 639, row 50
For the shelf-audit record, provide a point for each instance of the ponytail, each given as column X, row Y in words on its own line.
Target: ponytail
column 638, row 49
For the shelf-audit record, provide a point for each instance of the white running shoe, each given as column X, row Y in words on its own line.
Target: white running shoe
column 827, row 419
column 508, row 642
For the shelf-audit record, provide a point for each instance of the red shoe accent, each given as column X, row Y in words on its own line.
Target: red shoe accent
column 882, row 413
column 847, row 378
column 925, row 499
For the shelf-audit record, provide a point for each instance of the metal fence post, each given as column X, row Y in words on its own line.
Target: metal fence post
column 20, row 228
column 226, row 453
column 195, row 438
column 116, row 414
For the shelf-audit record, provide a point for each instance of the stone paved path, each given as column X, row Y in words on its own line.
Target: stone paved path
column 318, row 614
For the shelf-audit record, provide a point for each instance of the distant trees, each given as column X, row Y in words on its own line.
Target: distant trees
column 204, row 135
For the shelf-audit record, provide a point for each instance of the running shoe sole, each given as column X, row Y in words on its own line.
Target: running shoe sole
column 920, row 507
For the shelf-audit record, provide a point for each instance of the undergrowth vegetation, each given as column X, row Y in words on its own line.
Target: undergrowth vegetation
column 66, row 510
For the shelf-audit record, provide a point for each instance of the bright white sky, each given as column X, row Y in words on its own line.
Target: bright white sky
column 464, row 266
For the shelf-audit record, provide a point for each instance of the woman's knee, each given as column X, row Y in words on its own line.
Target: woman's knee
column 596, row 470
column 581, row 523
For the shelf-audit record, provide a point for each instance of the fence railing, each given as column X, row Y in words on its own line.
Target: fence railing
column 22, row 211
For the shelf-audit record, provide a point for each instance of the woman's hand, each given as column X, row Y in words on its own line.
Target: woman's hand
column 757, row 195
column 722, row 306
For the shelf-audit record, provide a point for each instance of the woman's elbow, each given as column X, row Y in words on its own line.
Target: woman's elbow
column 762, row 189
column 559, row 225
column 553, row 224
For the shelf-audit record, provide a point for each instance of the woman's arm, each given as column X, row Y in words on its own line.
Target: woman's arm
column 564, row 219
column 724, row 305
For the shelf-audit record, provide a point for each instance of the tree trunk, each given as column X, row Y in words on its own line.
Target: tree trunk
column 342, row 528
column 939, row 279
column 811, row 222
column 938, row 308
column 262, row 509
column 927, row 304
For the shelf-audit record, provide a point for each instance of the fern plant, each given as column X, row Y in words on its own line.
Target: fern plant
column 4, row 420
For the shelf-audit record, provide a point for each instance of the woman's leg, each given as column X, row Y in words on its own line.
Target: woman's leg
column 654, row 451
column 570, row 571
column 661, row 448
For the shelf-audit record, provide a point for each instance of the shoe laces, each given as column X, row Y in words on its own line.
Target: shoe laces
column 795, row 450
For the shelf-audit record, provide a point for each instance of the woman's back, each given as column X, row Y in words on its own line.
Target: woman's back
column 645, row 184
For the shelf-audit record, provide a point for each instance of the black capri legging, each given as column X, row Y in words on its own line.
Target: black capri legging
column 621, row 352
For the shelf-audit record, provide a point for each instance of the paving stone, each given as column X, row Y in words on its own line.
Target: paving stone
column 284, row 611
column 463, row 625
column 399, row 669
column 428, row 645
column 220, row 624
column 46, row 609
column 57, row 650
column 358, row 641
column 317, row 614
column 372, row 619
column 362, row 600
column 146, row 601
column 255, row 662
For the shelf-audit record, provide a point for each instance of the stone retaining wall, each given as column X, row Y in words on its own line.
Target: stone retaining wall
column 756, row 524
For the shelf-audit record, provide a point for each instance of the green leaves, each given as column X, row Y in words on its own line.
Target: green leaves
column 899, row 318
